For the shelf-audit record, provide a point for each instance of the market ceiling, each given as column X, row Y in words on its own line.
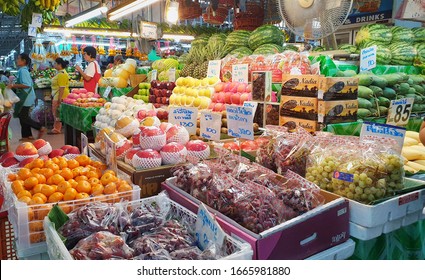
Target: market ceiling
column 10, row 33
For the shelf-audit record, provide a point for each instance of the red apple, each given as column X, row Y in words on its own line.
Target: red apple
column 198, row 149
column 56, row 153
column 219, row 107
column 122, row 148
column 227, row 97
column 25, row 162
column 214, row 97
column 233, row 146
column 219, row 87
column 26, row 149
column 235, row 99
column 9, row 162
column 245, row 97
column 146, row 159
column 221, row 97
column 43, row 157
column 66, row 147
column 158, row 100
column 227, row 87
column 178, row 134
column 129, row 156
column 241, row 87
column 151, row 137
column 39, row 143
column 173, row 153
column 6, row 156
column 212, row 105
column 249, row 146
column 72, row 150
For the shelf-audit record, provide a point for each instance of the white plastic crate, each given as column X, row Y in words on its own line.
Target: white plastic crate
column 27, row 221
column 235, row 249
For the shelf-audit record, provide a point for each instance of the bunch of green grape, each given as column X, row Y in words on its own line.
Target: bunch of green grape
column 395, row 172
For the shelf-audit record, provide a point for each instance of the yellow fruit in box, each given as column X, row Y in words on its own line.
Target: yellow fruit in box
column 108, row 73
column 180, row 81
column 205, row 103
column 183, row 100
column 414, row 135
column 409, row 141
column 178, row 100
column 197, row 102
column 213, row 80
column 151, row 121
column 172, row 99
column 176, row 90
column 189, row 100
column 204, row 82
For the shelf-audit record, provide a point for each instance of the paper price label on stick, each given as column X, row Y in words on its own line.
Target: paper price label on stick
column 154, row 75
column 107, row 92
column 37, row 19
column 214, row 68
column 240, row 122
column 184, row 116
column 399, row 112
column 210, row 125
column 240, row 73
column 252, row 105
column 148, row 30
column 207, row 230
column 32, row 30
column 377, row 130
column 172, row 75
column 84, row 144
column 368, row 58
column 110, row 153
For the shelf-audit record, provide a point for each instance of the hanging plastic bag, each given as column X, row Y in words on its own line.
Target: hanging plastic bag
column 1, row 99
column 11, row 96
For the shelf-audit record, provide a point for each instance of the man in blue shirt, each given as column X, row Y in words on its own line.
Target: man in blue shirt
column 25, row 92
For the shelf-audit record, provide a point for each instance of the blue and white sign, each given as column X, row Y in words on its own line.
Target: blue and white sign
column 214, row 67
column 240, row 73
column 383, row 131
column 210, row 125
column 184, row 116
column 37, row 19
column 368, row 58
column 251, row 104
column 207, row 230
column 240, row 122
column 370, row 11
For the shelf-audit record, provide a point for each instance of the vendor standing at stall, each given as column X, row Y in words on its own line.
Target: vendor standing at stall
column 24, row 88
column 92, row 73
column 60, row 90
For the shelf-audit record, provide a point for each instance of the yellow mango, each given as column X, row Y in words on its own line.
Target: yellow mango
column 415, row 165
column 413, row 134
column 409, row 141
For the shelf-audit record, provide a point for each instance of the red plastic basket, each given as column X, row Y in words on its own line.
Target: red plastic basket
column 7, row 251
column 215, row 17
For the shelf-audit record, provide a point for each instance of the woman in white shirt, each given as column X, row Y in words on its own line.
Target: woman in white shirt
column 92, row 74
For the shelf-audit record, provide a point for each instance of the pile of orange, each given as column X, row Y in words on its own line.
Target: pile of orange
column 59, row 179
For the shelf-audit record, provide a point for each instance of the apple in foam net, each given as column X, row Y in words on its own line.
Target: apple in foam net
column 151, row 137
column 248, row 88
column 26, row 149
column 245, row 97
column 56, row 153
column 219, row 87
column 198, row 149
column 145, row 159
column 173, row 153
column 178, row 134
column 25, row 162
column 6, row 156
column 39, row 143
column 9, row 162
column 241, row 87
column 130, row 154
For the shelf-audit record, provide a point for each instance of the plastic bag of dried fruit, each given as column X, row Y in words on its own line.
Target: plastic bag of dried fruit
column 102, row 245
column 351, row 169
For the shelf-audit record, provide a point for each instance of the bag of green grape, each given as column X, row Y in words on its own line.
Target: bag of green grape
column 362, row 171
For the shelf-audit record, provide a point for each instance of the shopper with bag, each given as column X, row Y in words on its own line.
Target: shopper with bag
column 93, row 73
column 25, row 92
column 60, row 90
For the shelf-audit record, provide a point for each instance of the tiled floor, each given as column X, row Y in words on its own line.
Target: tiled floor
column 56, row 141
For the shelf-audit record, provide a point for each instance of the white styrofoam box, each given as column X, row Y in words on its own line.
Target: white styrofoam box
column 27, row 220
column 340, row 252
column 387, row 211
column 236, row 249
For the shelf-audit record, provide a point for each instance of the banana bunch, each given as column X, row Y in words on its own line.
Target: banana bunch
column 11, row 7
column 49, row 5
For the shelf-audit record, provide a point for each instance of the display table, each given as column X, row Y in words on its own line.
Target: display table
column 115, row 91
column 77, row 120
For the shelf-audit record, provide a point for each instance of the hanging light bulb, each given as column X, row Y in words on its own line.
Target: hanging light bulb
column 172, row 12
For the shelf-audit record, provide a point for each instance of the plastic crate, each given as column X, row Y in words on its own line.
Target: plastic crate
column 7, row 251
column 27, row 220
column 235, row 249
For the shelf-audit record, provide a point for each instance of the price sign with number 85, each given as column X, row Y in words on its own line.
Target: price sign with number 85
column 399, row 112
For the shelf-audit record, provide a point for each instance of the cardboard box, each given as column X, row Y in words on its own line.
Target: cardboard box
column 370, row 221
column 338, row 88
column 340, row 111
column 317, row 230
column 299, row 107
column 292, row 123
column 300, row 85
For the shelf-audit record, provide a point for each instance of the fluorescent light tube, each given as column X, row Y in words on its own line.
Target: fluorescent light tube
column 108, row 33
column 128, row 8
column 178, row 37
column 90, row 13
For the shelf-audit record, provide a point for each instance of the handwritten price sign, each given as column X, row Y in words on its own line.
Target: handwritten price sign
column 148, row 30
column 240, row 73
column 368, row 58
column 37, row 19
column 32, row 30
column 172, row 75
column 207, row 230
column 184, row 116
column 399, row 112
column 210, row 125
column 240, row 122
column 214, row 67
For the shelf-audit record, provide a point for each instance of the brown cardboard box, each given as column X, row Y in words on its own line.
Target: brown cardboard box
column 300, row 85
column 291, row 123
column 298, row 107
column 339, row 111
column 338, row 88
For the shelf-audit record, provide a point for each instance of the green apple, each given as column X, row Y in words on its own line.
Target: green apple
column 145, row 99
column 140, row 92
column 141, row 85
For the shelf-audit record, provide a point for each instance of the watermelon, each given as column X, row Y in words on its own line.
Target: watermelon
column 218, row 39
column 200, row 41
column 238, row 38
column 348, row 48
column 268, row 49
column 375, row 32
column 419, row 33
column 266, row 34
column 420, row 50
column 402, row 34
column 241, row 52
column 291, row 48
column 402, row 53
